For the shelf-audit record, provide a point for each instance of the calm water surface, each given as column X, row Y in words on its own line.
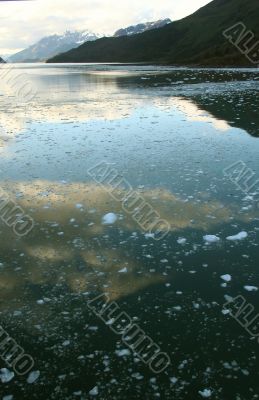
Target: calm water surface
column 170, row 133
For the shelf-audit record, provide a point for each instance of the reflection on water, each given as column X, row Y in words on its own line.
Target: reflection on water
column 170, row 133
column 69, row 230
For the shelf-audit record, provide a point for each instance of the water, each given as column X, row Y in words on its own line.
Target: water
column 170, row 133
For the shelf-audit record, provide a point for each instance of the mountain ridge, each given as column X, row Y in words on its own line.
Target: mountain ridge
column 50, row 46
column 142, row 27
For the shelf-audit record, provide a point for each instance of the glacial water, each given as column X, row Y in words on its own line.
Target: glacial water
column 172, row 134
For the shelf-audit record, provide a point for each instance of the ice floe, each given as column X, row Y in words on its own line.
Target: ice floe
column 94, row 391
column 251, row 288
column 211, row 238
column 34, row 375
column 226, row 277
column 206, row 393
column 109, row 219
column 240, row 236
column 6, row 375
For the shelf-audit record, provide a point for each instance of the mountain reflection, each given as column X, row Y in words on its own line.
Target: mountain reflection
column 77, row 94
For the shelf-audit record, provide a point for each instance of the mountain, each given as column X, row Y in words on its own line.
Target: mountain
column 53, row 45
column 140, row 28
column 195, row 40
column 1, row 60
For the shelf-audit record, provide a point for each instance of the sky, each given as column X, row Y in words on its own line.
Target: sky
column 23, row 23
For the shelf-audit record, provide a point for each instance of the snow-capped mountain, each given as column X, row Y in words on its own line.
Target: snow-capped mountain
column 140, row 28
column 52, row 45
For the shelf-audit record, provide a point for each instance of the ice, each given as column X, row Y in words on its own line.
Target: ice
column 123, row 270
column 109, row 219
column 251, row 288
column 122, row 353
column 8, row 397
column 211, row 238
column 6, row 375
column 225, row 312
column 149, row 235
column 240, row 236
column 79, row 206
column 226, row 278
column 34, row 375
column 94, row 391
column 206, row 393
column 181, row 240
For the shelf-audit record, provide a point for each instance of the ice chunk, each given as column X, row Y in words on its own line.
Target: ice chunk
column 240, row 236
column 251, row 288
column 206, row 393
column 94, row 391
column 123, row 270
column 6, row 375
column 181, row 240
column 34, row 375
column 211, row 238
column 149, row 235
column 109, row 219
column 226, row 278
column 123, row 352
column 79, row 206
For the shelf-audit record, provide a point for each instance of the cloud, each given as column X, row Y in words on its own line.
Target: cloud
column 23, row 23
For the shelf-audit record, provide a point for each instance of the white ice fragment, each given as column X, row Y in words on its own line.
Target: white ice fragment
column 34, row 375
column 17, row 313
column 94, row 391
column 110, row 322
column 211, row 238
column 240, row 236
column 8, row 397
column 66, row 343
column 122, row 353
column 6, row 375
column 40, row 302
column 226, row 278
column 123, row 270
column 137, row 376
column 206, row 393
column 149, row 235
column 79, row 206
column 251, row 288
column 77, row 393
column 181, row 240
column 109, row 219
column 225, row 312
